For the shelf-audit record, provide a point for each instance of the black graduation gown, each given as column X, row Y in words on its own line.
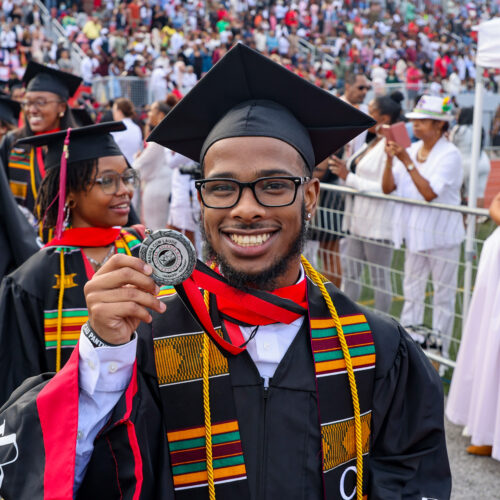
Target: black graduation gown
column 17, row 237
column 279, row 429
column 16, row 161
column 28, row 314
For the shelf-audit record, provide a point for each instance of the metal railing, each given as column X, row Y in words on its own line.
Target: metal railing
column 135, row 88
column 380, row 283
column 56, row 31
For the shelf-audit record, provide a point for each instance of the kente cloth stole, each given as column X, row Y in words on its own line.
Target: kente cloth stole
column 179, row 366
column 74, row 312
column 24, row 176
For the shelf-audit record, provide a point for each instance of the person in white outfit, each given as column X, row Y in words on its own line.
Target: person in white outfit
column 184, row 209
column 130, row 140
column 461, row 136
column 430, row 170
column 156, row 174
column 474, row 399
column 368, row 222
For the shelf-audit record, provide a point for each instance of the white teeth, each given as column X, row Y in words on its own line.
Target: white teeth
column 249, row 240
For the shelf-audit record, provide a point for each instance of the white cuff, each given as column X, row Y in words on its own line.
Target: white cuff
column 105, row 368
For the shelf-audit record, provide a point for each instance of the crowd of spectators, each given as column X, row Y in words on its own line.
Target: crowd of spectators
column 175, row 42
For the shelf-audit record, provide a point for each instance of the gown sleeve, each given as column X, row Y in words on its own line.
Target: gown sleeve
column 408, row 458
column 5, row 146
column 21, row 336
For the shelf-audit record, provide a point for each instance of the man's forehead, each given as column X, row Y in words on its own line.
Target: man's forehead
column 252, row 156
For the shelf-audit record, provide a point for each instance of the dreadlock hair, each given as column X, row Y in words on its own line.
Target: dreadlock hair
column 80, row 175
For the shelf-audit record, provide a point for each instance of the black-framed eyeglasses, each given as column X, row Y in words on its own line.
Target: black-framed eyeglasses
column 268, row 191
column 110, row 181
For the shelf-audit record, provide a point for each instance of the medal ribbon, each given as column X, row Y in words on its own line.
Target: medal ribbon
column 254, row 307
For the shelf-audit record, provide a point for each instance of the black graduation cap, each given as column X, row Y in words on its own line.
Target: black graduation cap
column 85, row 143
column 39, row 77
column 82, row 117
column 247, row 94
column 9, row 110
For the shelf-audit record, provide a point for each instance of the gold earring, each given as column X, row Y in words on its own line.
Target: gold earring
column 61, row 114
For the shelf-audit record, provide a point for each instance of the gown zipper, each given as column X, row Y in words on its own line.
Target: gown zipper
column 262, row 469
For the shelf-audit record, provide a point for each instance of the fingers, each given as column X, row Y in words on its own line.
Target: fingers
column 123, row 270
column 128, row 295
column 113, row 312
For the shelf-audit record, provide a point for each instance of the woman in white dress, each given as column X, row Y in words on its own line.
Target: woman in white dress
column 430, row 170
column 156, row 174
column 474, row 397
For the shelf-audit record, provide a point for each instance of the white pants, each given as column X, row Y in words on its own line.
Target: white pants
column 442, row 265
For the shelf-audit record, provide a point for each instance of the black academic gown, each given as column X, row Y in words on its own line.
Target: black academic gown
column 279, row 428
column 28, row 314
column 23, row 171
column 17, row 237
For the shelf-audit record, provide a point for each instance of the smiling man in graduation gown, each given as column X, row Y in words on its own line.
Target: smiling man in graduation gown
column 261, row 380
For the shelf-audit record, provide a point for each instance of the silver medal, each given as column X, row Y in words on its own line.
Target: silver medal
column 170, row 254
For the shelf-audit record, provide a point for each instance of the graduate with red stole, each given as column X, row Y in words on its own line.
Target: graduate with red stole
column 85, row 200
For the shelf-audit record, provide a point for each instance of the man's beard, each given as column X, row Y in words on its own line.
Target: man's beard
column 265, row 280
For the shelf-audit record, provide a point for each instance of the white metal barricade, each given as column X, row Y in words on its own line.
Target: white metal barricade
column 373, row 272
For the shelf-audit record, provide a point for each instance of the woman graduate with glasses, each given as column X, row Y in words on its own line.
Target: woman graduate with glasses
column 85, row 197
column 45, row 110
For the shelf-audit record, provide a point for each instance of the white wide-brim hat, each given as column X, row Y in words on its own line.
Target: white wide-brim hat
column 432, row 107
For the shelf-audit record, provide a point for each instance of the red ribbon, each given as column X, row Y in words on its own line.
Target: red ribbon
column 86, row 237
column 284, row 305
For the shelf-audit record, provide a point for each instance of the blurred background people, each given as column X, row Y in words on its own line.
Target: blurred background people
column 129, row 140
column 152, row 164
column 430, row 170
column 368, row 222
column 461, row 136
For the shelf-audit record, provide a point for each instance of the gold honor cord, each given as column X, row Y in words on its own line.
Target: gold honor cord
column 59, row 309
column 32, row 172
column 206, row 404
column 317, row 279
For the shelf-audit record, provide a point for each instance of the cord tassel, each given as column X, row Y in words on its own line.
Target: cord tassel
column 62, row 186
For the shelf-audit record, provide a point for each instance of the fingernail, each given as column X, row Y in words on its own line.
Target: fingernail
column 148, row 269
column 163, row 307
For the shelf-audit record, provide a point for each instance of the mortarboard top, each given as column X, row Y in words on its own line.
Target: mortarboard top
column 39, row 77
column 85, row 143
column 82, row 117
column 9, row 110
column 247, row 94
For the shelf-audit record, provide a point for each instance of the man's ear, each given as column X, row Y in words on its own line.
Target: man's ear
column 311, row 195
